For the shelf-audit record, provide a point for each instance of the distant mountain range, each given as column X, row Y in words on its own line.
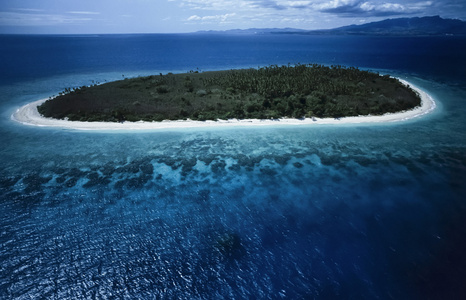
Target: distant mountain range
column 407, row 26
column 430, row 26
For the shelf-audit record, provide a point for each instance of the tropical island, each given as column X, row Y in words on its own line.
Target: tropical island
column 273, row 92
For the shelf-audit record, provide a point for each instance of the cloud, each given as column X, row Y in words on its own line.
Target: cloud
column 352, row 8
column 38, row 19
column 84, row 12
column 304, row 13
column 246, row 5
column 211, row 4
column 299, row 4
column 268, row 4
column 28, row 9
column 194, row 18
column 207, row 19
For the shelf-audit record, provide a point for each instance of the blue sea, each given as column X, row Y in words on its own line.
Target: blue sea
column 374, row 211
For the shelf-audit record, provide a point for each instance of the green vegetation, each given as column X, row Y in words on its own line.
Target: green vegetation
column 264, row 93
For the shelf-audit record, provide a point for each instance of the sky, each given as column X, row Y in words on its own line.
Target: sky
column 179, row 16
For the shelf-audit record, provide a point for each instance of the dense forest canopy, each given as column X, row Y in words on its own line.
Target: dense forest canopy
column 264, row 93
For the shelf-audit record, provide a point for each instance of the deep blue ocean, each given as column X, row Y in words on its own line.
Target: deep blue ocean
column 296, row 212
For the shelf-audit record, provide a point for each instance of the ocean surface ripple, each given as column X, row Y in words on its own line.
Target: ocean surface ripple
column 327, row 212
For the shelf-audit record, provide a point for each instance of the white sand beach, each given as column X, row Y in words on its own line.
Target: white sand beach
column 29, row 115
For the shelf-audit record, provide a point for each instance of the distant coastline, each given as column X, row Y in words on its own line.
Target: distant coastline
column 415, row 26
column 29, row 115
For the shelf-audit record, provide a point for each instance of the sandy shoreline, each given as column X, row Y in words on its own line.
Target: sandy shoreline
column 29, row 115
